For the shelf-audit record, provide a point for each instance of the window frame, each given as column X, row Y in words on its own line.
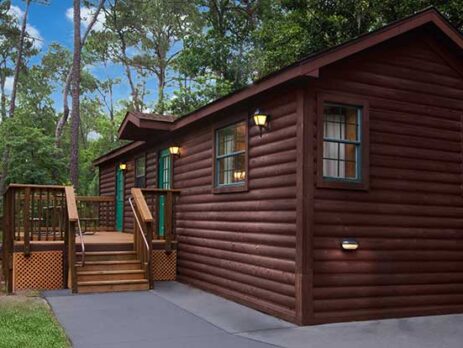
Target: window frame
column 135, row 172
column 363, row 163
column 235, row 187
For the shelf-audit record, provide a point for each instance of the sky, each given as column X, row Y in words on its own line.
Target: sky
column 53, row 23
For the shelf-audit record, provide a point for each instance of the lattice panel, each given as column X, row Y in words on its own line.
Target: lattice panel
column 40, row 271
column 164, row 265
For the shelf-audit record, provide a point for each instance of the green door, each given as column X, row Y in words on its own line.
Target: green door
column 119, row 199
column 164, row 181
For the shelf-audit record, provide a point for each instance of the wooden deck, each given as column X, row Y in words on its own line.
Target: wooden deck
column 101, row 237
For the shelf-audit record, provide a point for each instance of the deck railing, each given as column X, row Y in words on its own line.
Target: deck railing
column 96, row 213
column 164, row 227
column 38, row 213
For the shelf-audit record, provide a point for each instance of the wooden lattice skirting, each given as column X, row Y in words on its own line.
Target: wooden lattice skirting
column 40, row 271
column 164, row 265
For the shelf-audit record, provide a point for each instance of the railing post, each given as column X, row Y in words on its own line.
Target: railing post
column 73, row 218
column 66, row 251
column 149, row 237
column 8, row 243
column 168, row 211
column 26, row 220
column 72, row 255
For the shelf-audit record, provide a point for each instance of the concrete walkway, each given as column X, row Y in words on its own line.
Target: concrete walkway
column 176, row 315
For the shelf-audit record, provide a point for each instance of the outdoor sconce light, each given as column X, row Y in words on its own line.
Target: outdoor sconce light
column 261, row 120
column 349, row 244
column 174, row 150
column 122, row 166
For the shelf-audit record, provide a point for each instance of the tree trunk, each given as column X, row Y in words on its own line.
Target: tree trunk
column 67, row 85
column 125, row 60
column 19, row 59
column 3, row 98
column 161, row 86
column 75, row 114
column 6, row 151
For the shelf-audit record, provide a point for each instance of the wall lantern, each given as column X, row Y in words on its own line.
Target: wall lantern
column 261, row 120
column 174, row 150
column 123, row 166
column 349, row 244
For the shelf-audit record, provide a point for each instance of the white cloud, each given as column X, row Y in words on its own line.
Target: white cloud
column 86, row 15
column 32, row 31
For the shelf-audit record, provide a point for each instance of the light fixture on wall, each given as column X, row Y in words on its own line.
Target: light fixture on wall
column 123, row 166
column 261, row 120
column 174, row 150
column 349, row 244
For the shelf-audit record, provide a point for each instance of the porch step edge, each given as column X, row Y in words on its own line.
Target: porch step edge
column 112, row 262
column 114, row 282
column 104, row 253
column 131, row 271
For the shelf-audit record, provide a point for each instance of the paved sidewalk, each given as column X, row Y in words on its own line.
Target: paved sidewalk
column 176, row 315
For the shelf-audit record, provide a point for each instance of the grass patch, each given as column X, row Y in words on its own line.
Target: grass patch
column 29, row 322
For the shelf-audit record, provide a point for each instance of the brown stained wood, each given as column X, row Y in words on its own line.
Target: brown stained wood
column 386, row 290
column 278, row 244
column 71, row 204
column 142, row 207
column 27, row 221
column 72, row 251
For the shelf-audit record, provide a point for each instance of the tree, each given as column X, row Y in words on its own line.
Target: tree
column 119, row 35
column 217, row 59
column 75, row 115
column 9, row 36
column 19, row 56
column 67, row 84
column 293, row 29
column 161, row 26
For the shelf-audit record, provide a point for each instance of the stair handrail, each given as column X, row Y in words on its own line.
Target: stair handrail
column 144, row 226
column 138, row 223
column 82, row 244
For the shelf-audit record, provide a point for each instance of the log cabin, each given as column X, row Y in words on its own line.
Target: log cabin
column 328, row 191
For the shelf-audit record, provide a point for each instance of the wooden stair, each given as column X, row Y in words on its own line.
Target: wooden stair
column 107, row 271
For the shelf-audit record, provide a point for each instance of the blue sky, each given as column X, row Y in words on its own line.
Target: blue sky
column 52, row 23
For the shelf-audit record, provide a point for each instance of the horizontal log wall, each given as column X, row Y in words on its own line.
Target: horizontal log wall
column 242, row 245
column 409, row 224
column 107, row 174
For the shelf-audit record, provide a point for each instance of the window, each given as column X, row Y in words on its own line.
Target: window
column 165, row 169
column 230, row 156
column 140, row 172
column 341, row 141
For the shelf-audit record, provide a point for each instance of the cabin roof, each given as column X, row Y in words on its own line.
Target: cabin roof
column 138, row 126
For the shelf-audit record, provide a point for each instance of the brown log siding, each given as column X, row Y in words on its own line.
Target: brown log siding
column 107, row 179
column 242, row 245
column 276, row 247
column 409, row 223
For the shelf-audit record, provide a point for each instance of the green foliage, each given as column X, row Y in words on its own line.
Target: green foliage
column 191, row 95
column 28, row 322
column 33, row 158
column 293, row 29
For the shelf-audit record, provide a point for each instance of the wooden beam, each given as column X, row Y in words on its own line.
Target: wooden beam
column 142, row 207
column 73, row 216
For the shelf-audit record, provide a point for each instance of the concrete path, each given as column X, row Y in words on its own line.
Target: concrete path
column 177, row 315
